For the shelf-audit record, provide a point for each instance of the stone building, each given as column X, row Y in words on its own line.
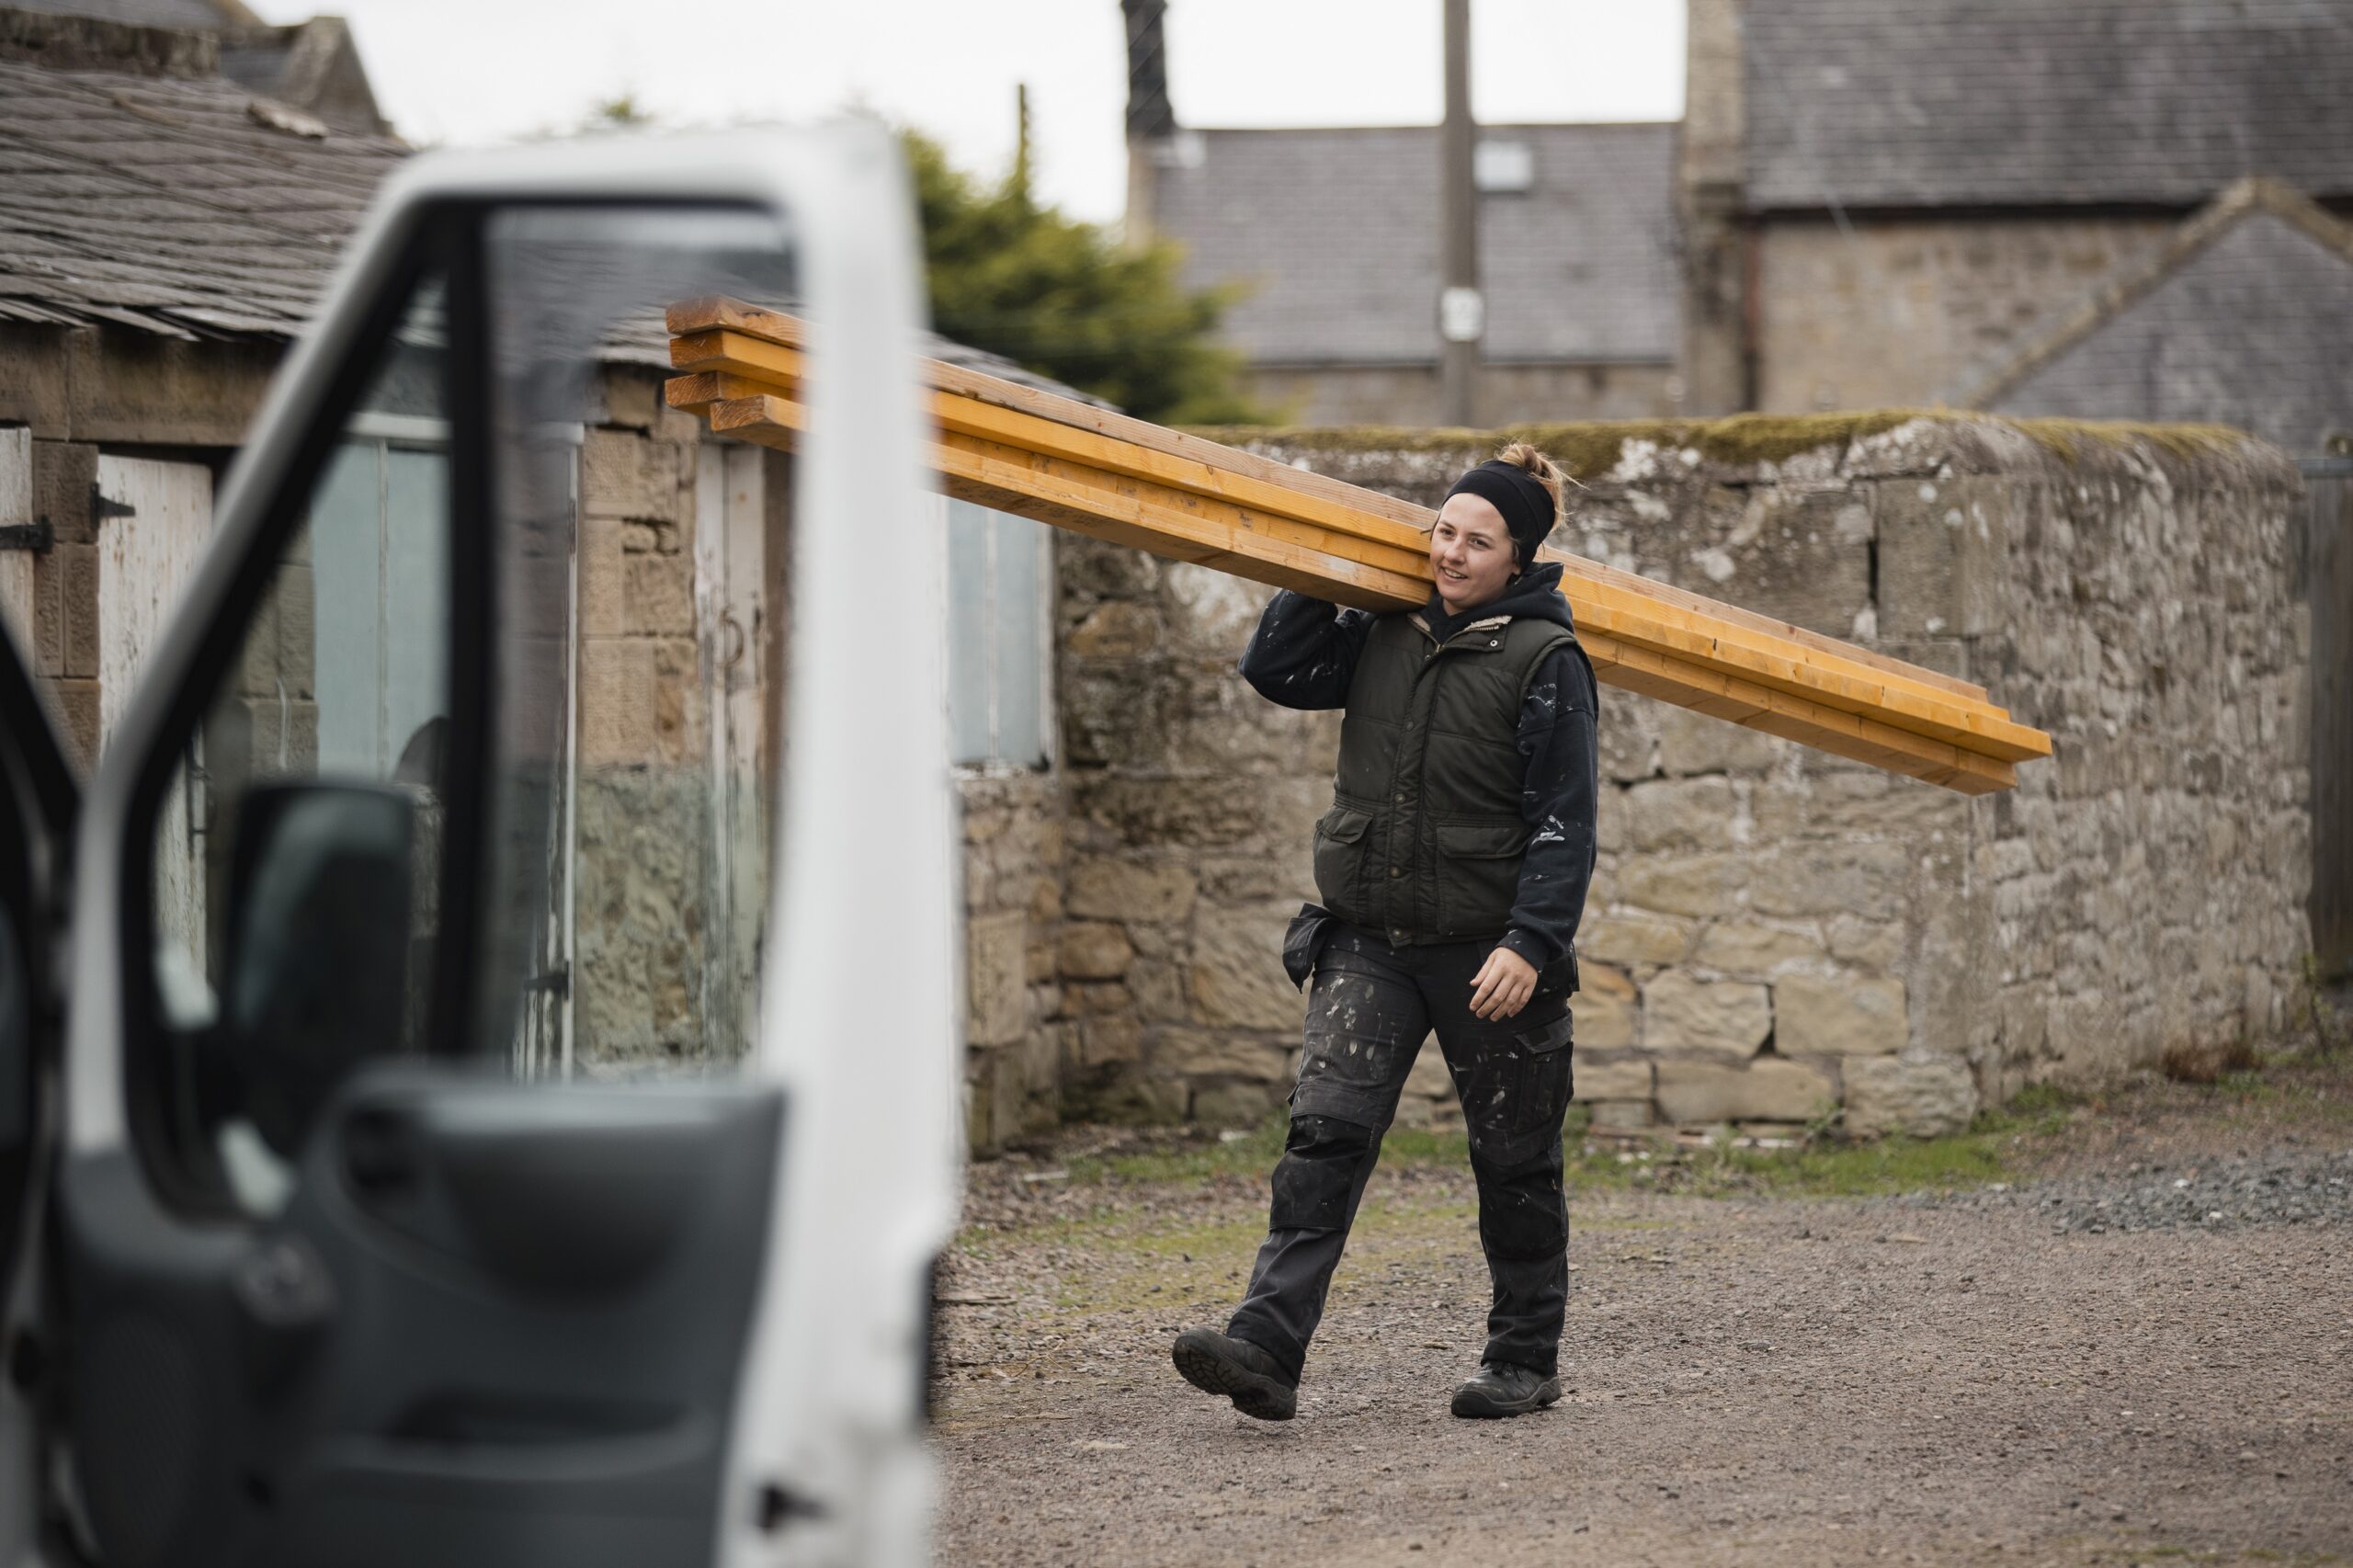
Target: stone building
column 2091, row 209
column 1771, row 933
column 312, row 67
column 1893, row 206
column 164, row 233
column 2243, row 316
column 1329, row 241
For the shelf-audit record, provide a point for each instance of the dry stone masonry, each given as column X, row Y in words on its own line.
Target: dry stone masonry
column 643, row 793
column 1774, row 935
column 1023, row 960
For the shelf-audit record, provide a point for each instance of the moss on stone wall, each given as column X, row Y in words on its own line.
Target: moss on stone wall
column 1592, row 449
column 2068, row 436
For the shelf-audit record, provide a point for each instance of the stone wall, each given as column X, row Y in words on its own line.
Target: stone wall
column 1190, row 804
column 667, row 855
column 642, row 865
column 1017, row 1025
column 127, row 388
column 1407, row 394
column 1955, row 293
column 1772, row 933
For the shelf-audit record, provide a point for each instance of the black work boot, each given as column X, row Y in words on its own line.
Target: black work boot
column 1504, row 1388
column 1238, row 1369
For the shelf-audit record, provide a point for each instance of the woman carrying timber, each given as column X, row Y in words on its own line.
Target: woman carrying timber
column 1452, row 869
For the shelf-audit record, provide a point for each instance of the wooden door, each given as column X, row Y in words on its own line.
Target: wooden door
column 155, row 520
column 17, row 563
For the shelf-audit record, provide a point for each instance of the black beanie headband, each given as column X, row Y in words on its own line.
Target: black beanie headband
column 1528, row 507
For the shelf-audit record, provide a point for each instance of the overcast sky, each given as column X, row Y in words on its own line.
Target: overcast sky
column 466, row 73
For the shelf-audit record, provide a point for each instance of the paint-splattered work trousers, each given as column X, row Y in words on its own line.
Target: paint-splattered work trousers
column 1369, row 1011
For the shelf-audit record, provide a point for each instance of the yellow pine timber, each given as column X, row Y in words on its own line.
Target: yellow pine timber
column 1399, row 561
column 698, row 316
column 1076, row 466
column 1603, row 600
column 1208, row 533
column 1358, row 507
column 749, row 359
column 992, row 479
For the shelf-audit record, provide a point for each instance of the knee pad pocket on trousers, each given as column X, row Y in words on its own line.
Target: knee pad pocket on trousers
column 1318, row 1170
column 1523, row 1213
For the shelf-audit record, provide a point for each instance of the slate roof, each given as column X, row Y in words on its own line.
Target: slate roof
column 2245, row 318
column 1956, row 103
column 168, row 205
column 189, row 14
column 1336, row 233
column 172, row 205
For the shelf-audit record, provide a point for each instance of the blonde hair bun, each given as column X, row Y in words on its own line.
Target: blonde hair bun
column 1540, row 468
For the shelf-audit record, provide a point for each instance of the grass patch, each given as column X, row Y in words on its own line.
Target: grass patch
column 1820, row 1169
column 1189, row 1164
column 2248, row 1083
column 1860, row 1170
column 1251, row 1156
column 2001, row 1144
column 2039, row 1111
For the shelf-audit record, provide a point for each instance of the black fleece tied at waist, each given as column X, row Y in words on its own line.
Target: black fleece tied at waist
column 1526, row 505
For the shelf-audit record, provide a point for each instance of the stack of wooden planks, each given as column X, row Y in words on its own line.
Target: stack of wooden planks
column 1019, row 449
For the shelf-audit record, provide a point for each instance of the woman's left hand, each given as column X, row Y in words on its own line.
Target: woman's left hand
column 1503, row 985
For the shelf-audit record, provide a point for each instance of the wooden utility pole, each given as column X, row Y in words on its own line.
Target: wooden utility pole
column 1152, row 124
column 1461, row 308
column 1021, row 140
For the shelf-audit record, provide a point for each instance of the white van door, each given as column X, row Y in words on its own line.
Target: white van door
column 340, row 1274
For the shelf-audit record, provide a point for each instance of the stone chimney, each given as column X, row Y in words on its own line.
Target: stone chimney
column 1718, row 372
column 1152, row 121
column 314, row 65
column 88, row 43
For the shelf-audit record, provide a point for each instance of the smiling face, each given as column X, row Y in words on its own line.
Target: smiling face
column 1471, row 553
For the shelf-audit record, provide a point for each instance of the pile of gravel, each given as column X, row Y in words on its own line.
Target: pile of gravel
column 2287, row 1188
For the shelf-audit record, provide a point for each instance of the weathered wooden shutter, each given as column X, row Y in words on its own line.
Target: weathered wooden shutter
column 155, row 520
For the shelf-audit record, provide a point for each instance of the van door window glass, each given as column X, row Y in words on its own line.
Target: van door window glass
column 637, row 654
column 302, row 830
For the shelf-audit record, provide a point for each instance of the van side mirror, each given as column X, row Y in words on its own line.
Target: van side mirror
column 318, row 956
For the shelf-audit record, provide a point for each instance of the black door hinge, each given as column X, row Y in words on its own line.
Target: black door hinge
column 105, row 506
column 36, row 535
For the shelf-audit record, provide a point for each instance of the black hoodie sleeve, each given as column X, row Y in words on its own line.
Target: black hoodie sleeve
column 1556, row 737
column 1304, row 652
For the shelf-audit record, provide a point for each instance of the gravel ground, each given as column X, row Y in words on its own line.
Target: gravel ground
column 2079, row 1366
column 2288, row 1187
